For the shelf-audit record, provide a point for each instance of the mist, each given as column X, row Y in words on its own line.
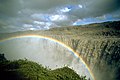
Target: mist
column 46, row 52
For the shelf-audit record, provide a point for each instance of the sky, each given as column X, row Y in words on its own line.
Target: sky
column 20, row 15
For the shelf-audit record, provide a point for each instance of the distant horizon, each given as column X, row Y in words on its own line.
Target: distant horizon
column 62, row 26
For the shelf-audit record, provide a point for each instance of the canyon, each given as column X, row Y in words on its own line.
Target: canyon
column 98, row 45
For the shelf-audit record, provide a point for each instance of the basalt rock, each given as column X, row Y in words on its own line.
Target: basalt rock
column 98, row 45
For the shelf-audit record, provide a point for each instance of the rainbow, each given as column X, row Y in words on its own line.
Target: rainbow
column 54, row 40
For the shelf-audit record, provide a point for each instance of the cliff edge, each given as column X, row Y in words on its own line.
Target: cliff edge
column 98, row 44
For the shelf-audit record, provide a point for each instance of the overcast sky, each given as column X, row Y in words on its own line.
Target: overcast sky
column 44, row 14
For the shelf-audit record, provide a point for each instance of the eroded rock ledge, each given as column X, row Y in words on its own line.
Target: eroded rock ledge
column 97, row 44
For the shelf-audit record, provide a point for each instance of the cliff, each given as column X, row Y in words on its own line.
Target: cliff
column 98, row 44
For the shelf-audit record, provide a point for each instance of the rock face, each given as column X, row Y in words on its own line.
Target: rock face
column 97, row 44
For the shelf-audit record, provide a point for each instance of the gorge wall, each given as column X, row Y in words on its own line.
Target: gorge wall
column 97, row 44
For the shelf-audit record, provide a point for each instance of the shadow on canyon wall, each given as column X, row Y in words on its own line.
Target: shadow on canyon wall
column 98, row 44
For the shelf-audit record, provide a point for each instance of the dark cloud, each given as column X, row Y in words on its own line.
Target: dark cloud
column 104, row 6
column 42, row 4
column 90, row 7
column 55, row 12
column 94, row 8
column 9, row 7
